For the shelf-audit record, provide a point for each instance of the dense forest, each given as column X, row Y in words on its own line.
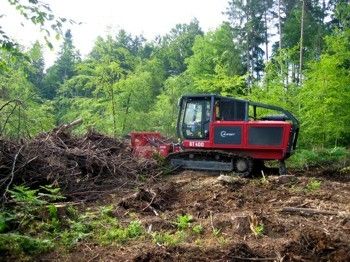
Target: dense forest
column 291, row 53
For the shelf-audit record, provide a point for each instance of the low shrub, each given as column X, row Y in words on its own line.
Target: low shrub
column 335, row 157
column 13, row 243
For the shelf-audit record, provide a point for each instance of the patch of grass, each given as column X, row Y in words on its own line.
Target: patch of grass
column 258, row 230
column 3, row 223
column 198, row 229
column 102, row 227
column 313, row 185
column 14, row 243
column 76, row 232
column 135, row 229
column 216, row 231
column 222, row 240
column 53, row 218
column 72, row 212
column 168, row 239
column 33, row 225
column 5, row 219
column 34, row 207
column 183, row 222
column 119, row 234
column 107, row 211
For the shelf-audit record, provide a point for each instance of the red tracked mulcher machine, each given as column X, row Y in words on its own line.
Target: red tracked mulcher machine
column 224, row 134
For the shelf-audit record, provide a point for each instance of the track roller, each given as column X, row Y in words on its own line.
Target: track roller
column 243, row 166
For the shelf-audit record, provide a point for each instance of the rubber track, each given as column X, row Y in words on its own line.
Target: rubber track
column 205, row 153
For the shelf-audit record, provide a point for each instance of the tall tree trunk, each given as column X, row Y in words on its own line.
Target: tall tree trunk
column 280, row 35
column 114, row 113
column 266, row 36
column 249, row 68
column 287, row 73
column 126, row 112
column 301, row 43
column 19, row 123
column 279, row 25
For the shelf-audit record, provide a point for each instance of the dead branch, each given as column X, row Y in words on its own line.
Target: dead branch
column 255, row 258
column 310, row 211
column 12, row 171
column 16, row 101
column 8, row 118
column 151, row 202
column 154, row 210
column 211, row 221
column 69, row 126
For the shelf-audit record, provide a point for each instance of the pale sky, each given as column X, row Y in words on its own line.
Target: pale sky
column 147, row 17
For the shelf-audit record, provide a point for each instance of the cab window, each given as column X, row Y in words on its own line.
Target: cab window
column 196, row 119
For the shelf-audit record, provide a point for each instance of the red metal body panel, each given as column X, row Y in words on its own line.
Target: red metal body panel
column 270, row 152
column 146, row 144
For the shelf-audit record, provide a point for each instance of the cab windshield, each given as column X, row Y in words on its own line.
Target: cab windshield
column 196, row 119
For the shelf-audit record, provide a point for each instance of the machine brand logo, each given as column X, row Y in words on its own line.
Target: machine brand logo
column 226, row 134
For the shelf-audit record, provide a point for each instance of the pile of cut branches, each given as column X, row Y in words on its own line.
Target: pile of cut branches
column 78, row 165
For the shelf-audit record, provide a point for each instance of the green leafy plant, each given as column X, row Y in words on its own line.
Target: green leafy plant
column 26, row 196
column 313, row 185
column 135, row 229
column 184, row 221
column 258, row 230
column 51, row 193
column 53, row 212
column 33, row 207
column 198, row 229
column 54, row 222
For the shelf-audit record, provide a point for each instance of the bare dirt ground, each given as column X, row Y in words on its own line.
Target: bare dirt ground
column 229, row 212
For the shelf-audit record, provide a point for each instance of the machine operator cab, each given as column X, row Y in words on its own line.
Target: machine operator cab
column 198, row 111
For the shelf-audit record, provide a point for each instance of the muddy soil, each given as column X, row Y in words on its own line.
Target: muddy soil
column 234, row 208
